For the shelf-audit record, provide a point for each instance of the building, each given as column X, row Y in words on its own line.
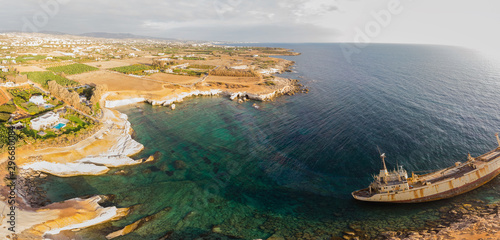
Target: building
column 8, row 84
column 45, row 121
column 38, row 100
column 241, row 67
column 18, row 125
column 181, row 66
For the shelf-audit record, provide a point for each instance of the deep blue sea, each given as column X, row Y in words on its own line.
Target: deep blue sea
column 287, row 169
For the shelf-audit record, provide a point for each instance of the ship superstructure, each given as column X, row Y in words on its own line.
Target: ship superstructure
column 397, row 186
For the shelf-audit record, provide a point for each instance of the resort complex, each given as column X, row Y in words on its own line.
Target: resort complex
column 47, row 120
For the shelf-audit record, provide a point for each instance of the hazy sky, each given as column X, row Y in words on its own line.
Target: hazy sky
column 454, row 22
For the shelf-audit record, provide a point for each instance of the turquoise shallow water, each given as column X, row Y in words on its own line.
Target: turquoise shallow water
column 288, row 168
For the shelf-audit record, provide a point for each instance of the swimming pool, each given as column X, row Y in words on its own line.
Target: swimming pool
column 59, row 126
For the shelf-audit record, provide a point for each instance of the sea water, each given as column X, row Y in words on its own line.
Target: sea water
column 288, row 167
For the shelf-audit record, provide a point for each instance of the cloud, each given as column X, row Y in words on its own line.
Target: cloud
column 257, row 33
column 308, row 8
column 233, row 19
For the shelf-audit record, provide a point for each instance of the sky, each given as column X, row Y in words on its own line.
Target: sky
column 450, row 22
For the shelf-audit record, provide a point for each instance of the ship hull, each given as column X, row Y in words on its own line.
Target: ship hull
column 439, row 190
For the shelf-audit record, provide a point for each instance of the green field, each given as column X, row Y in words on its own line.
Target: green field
column 43, row 77
column 8, row 107
column 133, row 69
column 193, row 58
column 196, row 66
column 25, row 58
column 190, row 72
column 73, row 69
column 4, row 117
column 76, row 120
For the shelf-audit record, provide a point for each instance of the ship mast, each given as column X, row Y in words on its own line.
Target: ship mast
column 383, row 161
column 383, row 172
column 498, row 139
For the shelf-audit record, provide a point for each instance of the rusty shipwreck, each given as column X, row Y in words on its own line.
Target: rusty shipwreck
column 397, row 187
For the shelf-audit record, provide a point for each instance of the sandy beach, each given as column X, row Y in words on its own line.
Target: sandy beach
column 111, row 146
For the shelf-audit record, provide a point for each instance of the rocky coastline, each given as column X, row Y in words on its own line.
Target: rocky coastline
column 284, row 86
column 35, row 169
column 28, row 188
column 475, row 220
column 471, row 220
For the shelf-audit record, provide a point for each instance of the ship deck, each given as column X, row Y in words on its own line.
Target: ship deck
column 444, row 174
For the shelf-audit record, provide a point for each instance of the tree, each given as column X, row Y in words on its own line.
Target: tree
column 99, row 91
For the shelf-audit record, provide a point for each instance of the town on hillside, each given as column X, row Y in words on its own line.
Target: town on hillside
column 51, row 86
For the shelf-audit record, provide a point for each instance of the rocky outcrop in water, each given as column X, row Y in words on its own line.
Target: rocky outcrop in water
column 284, row 86
column 461, row 221
column 289, row 87
column 27, row 185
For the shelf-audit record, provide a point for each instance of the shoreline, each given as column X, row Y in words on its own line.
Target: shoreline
column 115, row 156
column 71, row 214
column 475, row 220
column 110, row 146
column 286, row 86
column 119, row 155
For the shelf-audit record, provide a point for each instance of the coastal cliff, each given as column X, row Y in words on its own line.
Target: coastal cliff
column 283, row 86
column 109, row 146
column 115, row 155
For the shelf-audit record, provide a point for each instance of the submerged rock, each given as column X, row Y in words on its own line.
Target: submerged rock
column 121, row 172
column 275, row 237
column 207, row 160
column 216, row 229
column 179, row 165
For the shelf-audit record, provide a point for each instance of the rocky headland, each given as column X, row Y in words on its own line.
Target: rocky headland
column 282, row 86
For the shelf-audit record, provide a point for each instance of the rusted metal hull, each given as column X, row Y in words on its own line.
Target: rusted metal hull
column 485, row 172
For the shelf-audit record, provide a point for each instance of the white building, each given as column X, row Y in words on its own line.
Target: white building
column 8, row 84
column 38, row 100
column 241, row 67
column 181, row 66
column 45, row 121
